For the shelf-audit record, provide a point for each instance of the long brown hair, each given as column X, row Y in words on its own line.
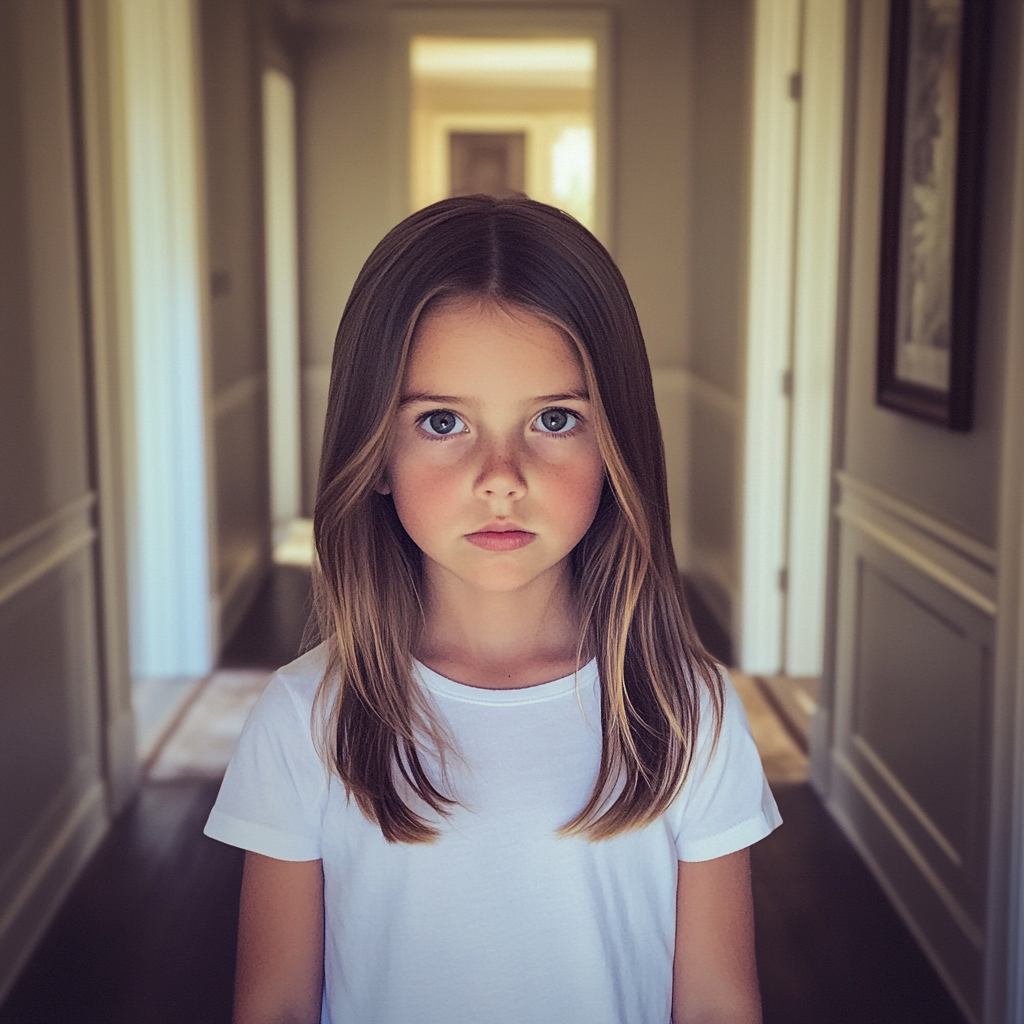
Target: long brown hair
column 376, row 722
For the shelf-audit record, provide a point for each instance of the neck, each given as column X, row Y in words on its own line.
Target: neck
column 500, row 640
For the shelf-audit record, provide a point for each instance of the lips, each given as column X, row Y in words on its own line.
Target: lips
column 499, row 538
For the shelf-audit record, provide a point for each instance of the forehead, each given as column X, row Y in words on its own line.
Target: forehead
column 474, row 342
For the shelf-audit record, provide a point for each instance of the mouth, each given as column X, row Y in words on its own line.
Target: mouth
column 500, row 538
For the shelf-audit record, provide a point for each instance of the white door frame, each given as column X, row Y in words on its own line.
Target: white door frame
column 145, row 128
column 1004, row 944
column 796, row 172
column 282, row 260
column 759, row 625
column 819, row 199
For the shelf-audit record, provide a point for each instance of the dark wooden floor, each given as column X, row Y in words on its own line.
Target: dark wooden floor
column 271, row 634
column 147, row 935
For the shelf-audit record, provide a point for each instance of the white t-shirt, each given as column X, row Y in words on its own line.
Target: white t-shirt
column 499, row 921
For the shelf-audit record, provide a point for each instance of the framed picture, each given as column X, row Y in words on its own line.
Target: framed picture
column 930, row 209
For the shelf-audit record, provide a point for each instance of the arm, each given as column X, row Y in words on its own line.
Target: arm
column 279, row 975
column 714, row 974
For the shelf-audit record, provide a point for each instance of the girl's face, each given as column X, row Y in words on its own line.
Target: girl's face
column 494, row 465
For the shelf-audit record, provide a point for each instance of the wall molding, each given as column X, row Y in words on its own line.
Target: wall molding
column 41, row 892
column 167, row 332
column 238, row 394
column 962, row 919
column 239, row 591
column 10, row 547
column 957, row 562
column 34, row 551
column 935, row 877
column 684, row 382
column 896, row 897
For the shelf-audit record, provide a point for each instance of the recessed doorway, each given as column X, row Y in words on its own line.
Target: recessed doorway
column 505, row 115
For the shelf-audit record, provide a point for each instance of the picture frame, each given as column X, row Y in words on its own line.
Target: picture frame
column 931, row 209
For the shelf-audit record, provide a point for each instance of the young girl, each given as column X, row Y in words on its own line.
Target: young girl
column 510, row 785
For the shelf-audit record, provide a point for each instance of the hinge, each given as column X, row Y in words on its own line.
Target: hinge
column 796, row 85
column 787, row 383
column 784, row 579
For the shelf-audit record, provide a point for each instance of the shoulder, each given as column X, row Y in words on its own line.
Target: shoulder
column 301, row 677
column 725, row 803
column 295, row 685
column 275, row 788
column 283, row 716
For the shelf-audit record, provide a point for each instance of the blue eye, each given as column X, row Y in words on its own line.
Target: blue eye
column 556, row 421
column 442, row 423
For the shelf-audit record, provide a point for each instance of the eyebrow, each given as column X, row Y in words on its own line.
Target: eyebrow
column 421, row 396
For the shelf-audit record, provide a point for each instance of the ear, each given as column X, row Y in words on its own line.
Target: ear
column 382, row 486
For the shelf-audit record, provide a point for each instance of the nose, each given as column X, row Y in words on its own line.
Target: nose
column 501, row 473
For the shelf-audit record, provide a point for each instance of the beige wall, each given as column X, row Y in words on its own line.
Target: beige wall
column 238, row 341
column 345, row 128
column 52, row 796
column 906, row 729
column 713, row 385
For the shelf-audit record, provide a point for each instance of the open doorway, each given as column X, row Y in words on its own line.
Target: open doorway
column 504, row 102
column 504, row 116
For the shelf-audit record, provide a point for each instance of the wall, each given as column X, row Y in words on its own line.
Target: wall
column 345, row 207
column 238, row 340
column 52, row 797
column 713, row 384
column 906, row 727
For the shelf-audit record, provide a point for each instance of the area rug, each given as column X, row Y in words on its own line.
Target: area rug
column 202, row 742
column 784, row 762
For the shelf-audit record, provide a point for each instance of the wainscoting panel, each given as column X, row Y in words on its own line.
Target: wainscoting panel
column 671, row 394
column 243, row 486
column 702, row 424
column 912, row 720
column 51, row 791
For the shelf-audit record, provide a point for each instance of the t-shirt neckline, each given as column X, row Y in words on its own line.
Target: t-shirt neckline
column 443, row 686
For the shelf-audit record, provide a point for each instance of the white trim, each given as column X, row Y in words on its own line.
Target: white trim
column 173, row 630
column 1004, row 964
column 916, row 811
column 81, row 506
column 914, row 518
column 682, row 381
column 956, row 562
column 508, row 22
column 42, row 891
column 815, row 293
column 282, row 262
column 240, row 588
column 106, row 213
column 949, row 901
column 852, row 833
column 24, row 575
column 758, row 637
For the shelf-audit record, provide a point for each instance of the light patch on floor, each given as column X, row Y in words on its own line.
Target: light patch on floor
column 293, row 545
column 158, row 703
column 783, row 760
column 202, row 743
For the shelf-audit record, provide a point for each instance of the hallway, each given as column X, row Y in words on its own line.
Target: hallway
column 148, row 933
column 141, row 397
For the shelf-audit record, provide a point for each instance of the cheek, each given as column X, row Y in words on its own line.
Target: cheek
column 423, row 498
column 579, row 486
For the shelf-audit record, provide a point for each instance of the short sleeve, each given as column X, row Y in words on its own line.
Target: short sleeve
column 725, row 804
column 275, row 788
